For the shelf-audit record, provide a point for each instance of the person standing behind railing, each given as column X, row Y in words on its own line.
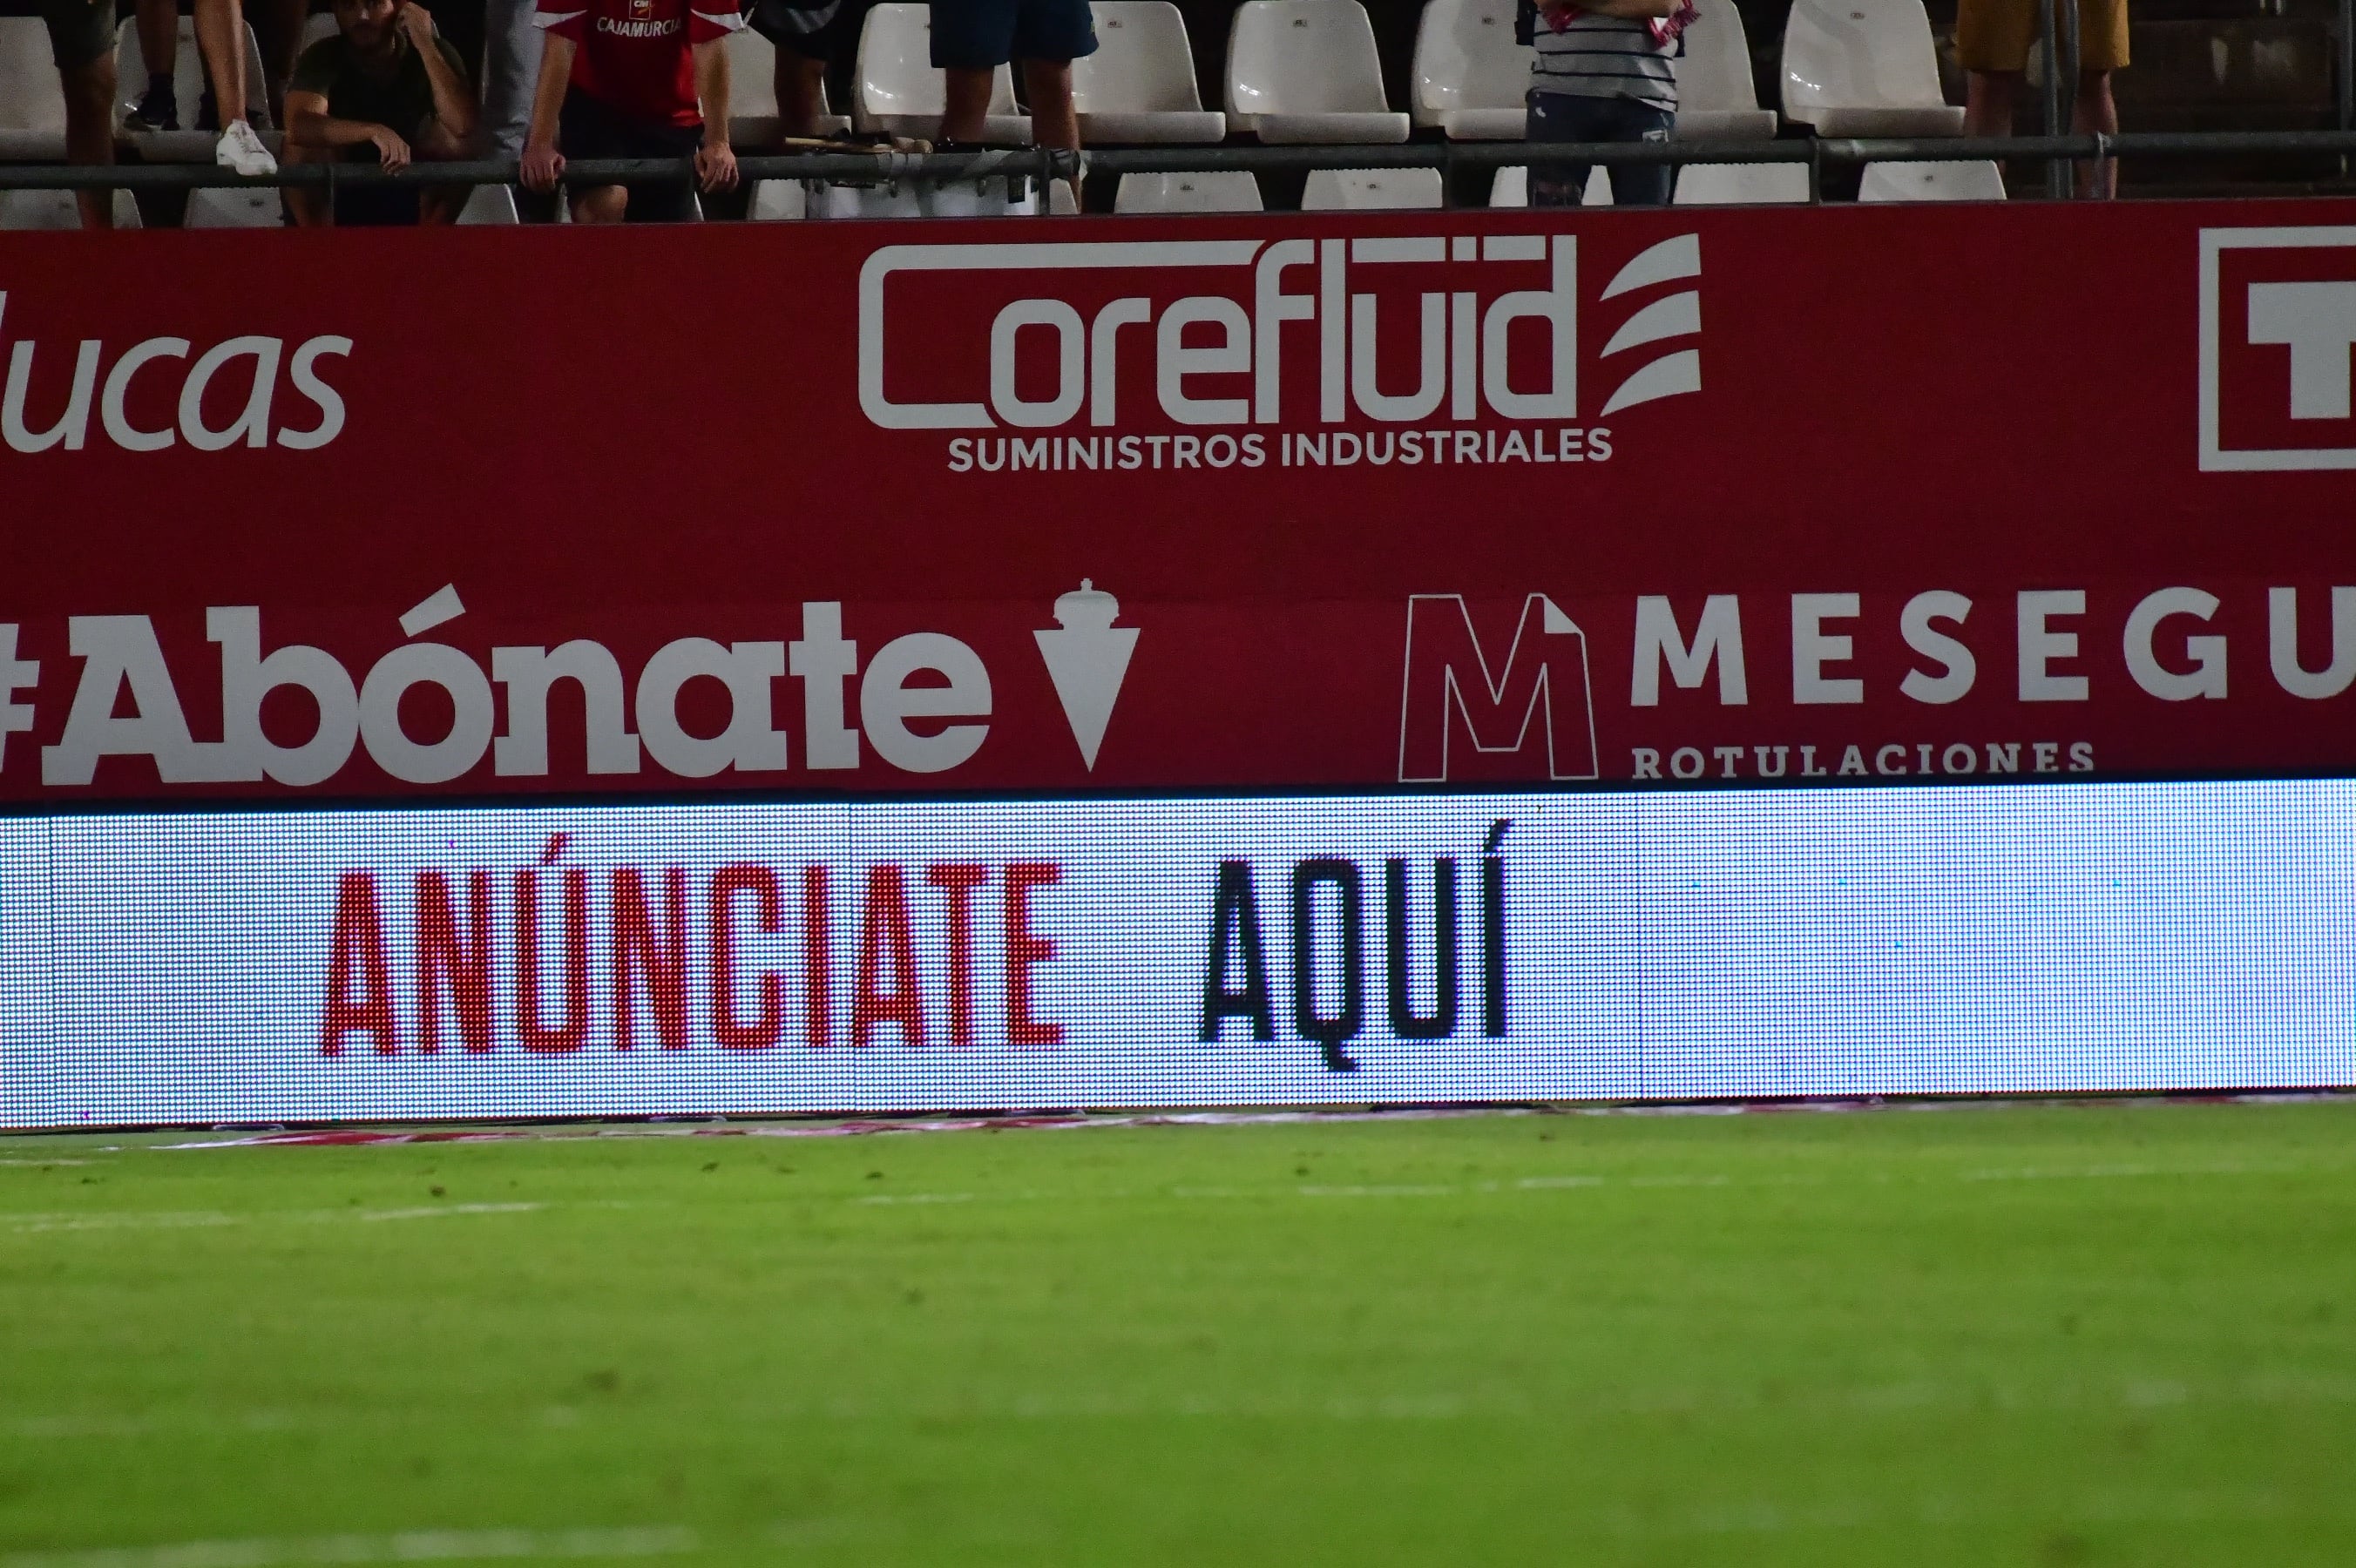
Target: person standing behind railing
column 809, row 36
column 632, row 78
column 972, row 39
column 220, row 42
column 1992, row 44
column 1602, row 72
column 81, row 44
column 386, row 87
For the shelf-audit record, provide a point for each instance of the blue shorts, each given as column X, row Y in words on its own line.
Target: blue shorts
column 982, row 35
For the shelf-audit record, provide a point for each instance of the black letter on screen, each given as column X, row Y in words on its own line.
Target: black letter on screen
column 1406, row 1022
column 1492, row 931
column 1234, row 935
column 1329, row 1032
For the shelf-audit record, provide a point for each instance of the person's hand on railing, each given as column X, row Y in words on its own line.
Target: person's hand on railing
column 542, row 163
column 715, row 165
column 391, row 151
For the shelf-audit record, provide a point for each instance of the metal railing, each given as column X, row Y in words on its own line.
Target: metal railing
column 1053, row 164
column 2347, row 65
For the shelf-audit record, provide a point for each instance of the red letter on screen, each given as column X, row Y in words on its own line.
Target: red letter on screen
column 467, row 966
column 769, row 1028
column 663, row 963
column 359, row 940
column 818, row 962
column 958, row 881
column 884, row 925
column 574, row 1032
column 1023, row 949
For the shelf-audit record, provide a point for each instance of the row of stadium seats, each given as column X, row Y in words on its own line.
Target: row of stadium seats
column 1308, row 71
column 1297, row 71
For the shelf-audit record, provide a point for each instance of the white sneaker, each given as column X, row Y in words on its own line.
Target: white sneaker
column 239, row 149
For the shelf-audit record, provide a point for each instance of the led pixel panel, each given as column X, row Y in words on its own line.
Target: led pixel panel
column 759, row 957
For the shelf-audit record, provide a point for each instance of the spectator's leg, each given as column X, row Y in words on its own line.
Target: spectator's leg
column 278, row 33
column 1641, row 185
column 1988, row 101
column 159, row 44
column 434, row 144
column 1054, row 122
column 2097, row 114
column 220, row 39
column 966, row 104
column 90, row 132
column 1559, row 117
column 510, row 71
column 801, row 91
column 602, row 204
column 307, row 205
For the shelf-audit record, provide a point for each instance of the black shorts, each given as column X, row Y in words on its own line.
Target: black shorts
column 815, row 29
column 80, row 32
column 983, row 35
column 589, row 128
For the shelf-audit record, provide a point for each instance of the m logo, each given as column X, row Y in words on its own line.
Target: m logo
column 1460, row 707
column 2278, row 325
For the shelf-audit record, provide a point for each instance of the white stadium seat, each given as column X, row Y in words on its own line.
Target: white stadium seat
column 1139, row 84
column 1306, row 70
column 234, row 207
column 1368, row 190
column 187, row 145
column 318, row 26
column 489, row 205
column 777, row 201
column 1974, row 179
column 32, row 104
column 753, row 93
column 1741, row 185
column 899, row 92
column 1513, row 188
column 1865, row 68
column 24, row 210
column 1716, row 94
column 1227, row 190
column 1471, row 77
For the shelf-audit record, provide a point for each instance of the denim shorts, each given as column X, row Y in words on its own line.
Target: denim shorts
column 980, row 34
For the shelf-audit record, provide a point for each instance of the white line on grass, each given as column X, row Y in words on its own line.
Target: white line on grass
column 414, row 1546
column 170, row 1220
column 442, row 1209
column 180, row 1219
column 2109, row 1172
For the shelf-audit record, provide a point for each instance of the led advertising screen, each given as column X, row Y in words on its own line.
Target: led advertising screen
column 765, row 957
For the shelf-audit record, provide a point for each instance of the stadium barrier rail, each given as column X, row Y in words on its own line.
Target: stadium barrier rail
column 1051, row 164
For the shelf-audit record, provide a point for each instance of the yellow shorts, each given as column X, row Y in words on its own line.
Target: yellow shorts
column 1998, row 34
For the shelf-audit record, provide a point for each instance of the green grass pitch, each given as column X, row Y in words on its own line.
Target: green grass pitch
column 2031, row 1334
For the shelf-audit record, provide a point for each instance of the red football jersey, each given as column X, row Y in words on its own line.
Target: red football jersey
column 633, row 54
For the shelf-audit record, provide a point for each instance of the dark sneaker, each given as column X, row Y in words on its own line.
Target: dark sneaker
column 158, row 108
column 208, row 112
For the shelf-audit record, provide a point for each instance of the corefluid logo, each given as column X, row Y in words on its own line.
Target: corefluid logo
column 1427, row 348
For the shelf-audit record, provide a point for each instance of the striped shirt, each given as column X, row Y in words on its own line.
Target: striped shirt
column 1604, row 56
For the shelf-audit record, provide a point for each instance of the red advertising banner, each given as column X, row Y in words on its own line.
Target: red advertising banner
column 1252, row 503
